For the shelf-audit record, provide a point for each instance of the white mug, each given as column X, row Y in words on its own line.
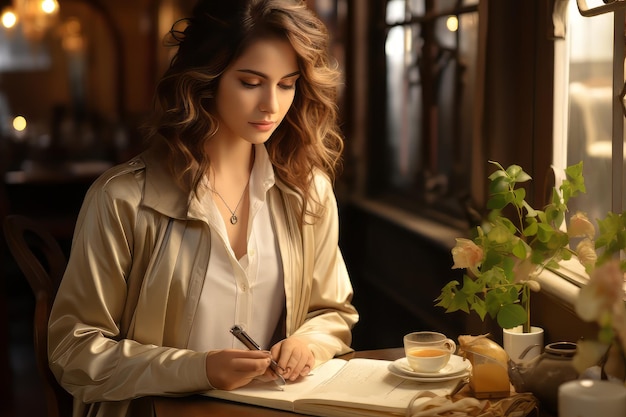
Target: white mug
column 592, row 398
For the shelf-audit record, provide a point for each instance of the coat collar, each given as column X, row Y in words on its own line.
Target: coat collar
column 163, row 194
column 161, row 191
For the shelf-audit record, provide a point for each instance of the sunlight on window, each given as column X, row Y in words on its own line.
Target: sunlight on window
column 587, row 74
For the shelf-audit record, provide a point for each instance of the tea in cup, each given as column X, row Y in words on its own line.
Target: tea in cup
column 428, row 351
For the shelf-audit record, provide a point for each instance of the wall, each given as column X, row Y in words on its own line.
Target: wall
column 396, row 274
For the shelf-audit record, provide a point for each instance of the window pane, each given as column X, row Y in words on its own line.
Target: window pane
column 589, row 138
column 404, row 107
column 431, row 61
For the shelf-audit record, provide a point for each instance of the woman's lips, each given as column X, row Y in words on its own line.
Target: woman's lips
column 263, row 126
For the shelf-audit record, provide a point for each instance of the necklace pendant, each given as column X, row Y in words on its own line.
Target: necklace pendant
column 233, row 219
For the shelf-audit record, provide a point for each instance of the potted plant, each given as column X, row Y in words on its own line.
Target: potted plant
column 504, row 255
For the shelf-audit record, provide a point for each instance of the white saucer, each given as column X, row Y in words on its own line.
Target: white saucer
column 395, row 371
column 456, row 365
column 430, row 379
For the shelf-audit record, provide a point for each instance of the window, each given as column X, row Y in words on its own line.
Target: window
column 588, row 113
column 430, row 57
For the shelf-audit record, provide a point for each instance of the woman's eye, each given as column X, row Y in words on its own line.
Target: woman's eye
column 287, row 86
column 250, row 84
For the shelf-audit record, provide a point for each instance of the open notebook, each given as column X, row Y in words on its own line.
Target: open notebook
column 339, row 388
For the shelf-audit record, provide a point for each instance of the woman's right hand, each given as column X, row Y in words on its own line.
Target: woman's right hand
column 233, row 368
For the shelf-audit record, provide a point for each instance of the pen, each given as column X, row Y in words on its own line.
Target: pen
column 245, row 338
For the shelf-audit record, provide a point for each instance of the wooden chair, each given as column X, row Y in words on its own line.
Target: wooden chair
column 42, row 261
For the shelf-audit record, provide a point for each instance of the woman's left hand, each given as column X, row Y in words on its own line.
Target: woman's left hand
column 294, row 357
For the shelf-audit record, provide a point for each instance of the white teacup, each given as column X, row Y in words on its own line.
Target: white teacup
column 428, row 351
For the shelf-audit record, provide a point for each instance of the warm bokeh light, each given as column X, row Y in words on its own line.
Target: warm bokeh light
column 19, row 123
column 9, row 19
column 49, row 6
column 452, row 23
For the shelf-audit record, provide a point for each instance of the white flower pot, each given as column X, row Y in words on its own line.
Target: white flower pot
column 515, row 342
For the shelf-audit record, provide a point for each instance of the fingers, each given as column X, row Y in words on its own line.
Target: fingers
column 232, row 368
column 294, row 357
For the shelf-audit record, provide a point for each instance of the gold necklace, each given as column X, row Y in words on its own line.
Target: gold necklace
column 233, row 217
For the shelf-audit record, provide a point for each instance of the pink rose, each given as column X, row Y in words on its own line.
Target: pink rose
column 587, row 253
column 466, row 254
column 602, row 293
column 579, row 225
column 588, row 354
column 609, row 282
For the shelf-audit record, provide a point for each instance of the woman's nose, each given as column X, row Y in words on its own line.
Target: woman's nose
column 269, row 101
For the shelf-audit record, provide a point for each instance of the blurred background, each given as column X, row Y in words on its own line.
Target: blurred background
column 432, row 90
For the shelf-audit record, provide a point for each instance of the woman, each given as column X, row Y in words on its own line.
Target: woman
column 228, row 218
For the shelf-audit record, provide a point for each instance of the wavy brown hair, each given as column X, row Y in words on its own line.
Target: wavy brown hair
column 217, row 33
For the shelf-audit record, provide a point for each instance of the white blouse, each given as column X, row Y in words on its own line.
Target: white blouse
column 248, row 291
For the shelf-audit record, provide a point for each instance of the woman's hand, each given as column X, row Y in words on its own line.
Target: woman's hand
column 294, row 357
column 233, row 368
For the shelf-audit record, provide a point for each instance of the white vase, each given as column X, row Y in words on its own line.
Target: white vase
column 515, row 342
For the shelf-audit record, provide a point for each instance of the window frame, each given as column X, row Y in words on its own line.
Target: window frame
column 571, row 273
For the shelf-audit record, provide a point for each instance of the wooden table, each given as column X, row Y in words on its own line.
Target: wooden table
column 200, row 406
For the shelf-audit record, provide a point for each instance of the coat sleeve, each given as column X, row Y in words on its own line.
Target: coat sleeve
column 88, row 352
column 330, row 314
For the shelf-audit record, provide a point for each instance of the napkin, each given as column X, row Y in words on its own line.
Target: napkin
column 428, row 404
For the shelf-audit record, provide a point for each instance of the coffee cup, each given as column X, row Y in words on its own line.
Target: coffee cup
column 428, row 351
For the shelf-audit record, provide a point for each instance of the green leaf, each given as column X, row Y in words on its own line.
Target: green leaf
column 508, row 224
column 497, row 202
column 470, row 286
column 530, row 212
column 451, row 299
column 519, row 249
column 575, row 182
column 500, row 234
column 518, row 197
column 511, row 315
column 501, row 173
column 517, row 173
column 479, row 307
column 532, row 227
column 496, row 299
column 544, row 232
column 499, row 185
column 458, row 302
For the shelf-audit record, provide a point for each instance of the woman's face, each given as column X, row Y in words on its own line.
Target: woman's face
column 256, row 91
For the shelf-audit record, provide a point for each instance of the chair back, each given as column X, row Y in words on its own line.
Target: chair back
column 42, row 261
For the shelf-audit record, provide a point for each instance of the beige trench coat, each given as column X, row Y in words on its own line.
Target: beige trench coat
column 122, row 317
